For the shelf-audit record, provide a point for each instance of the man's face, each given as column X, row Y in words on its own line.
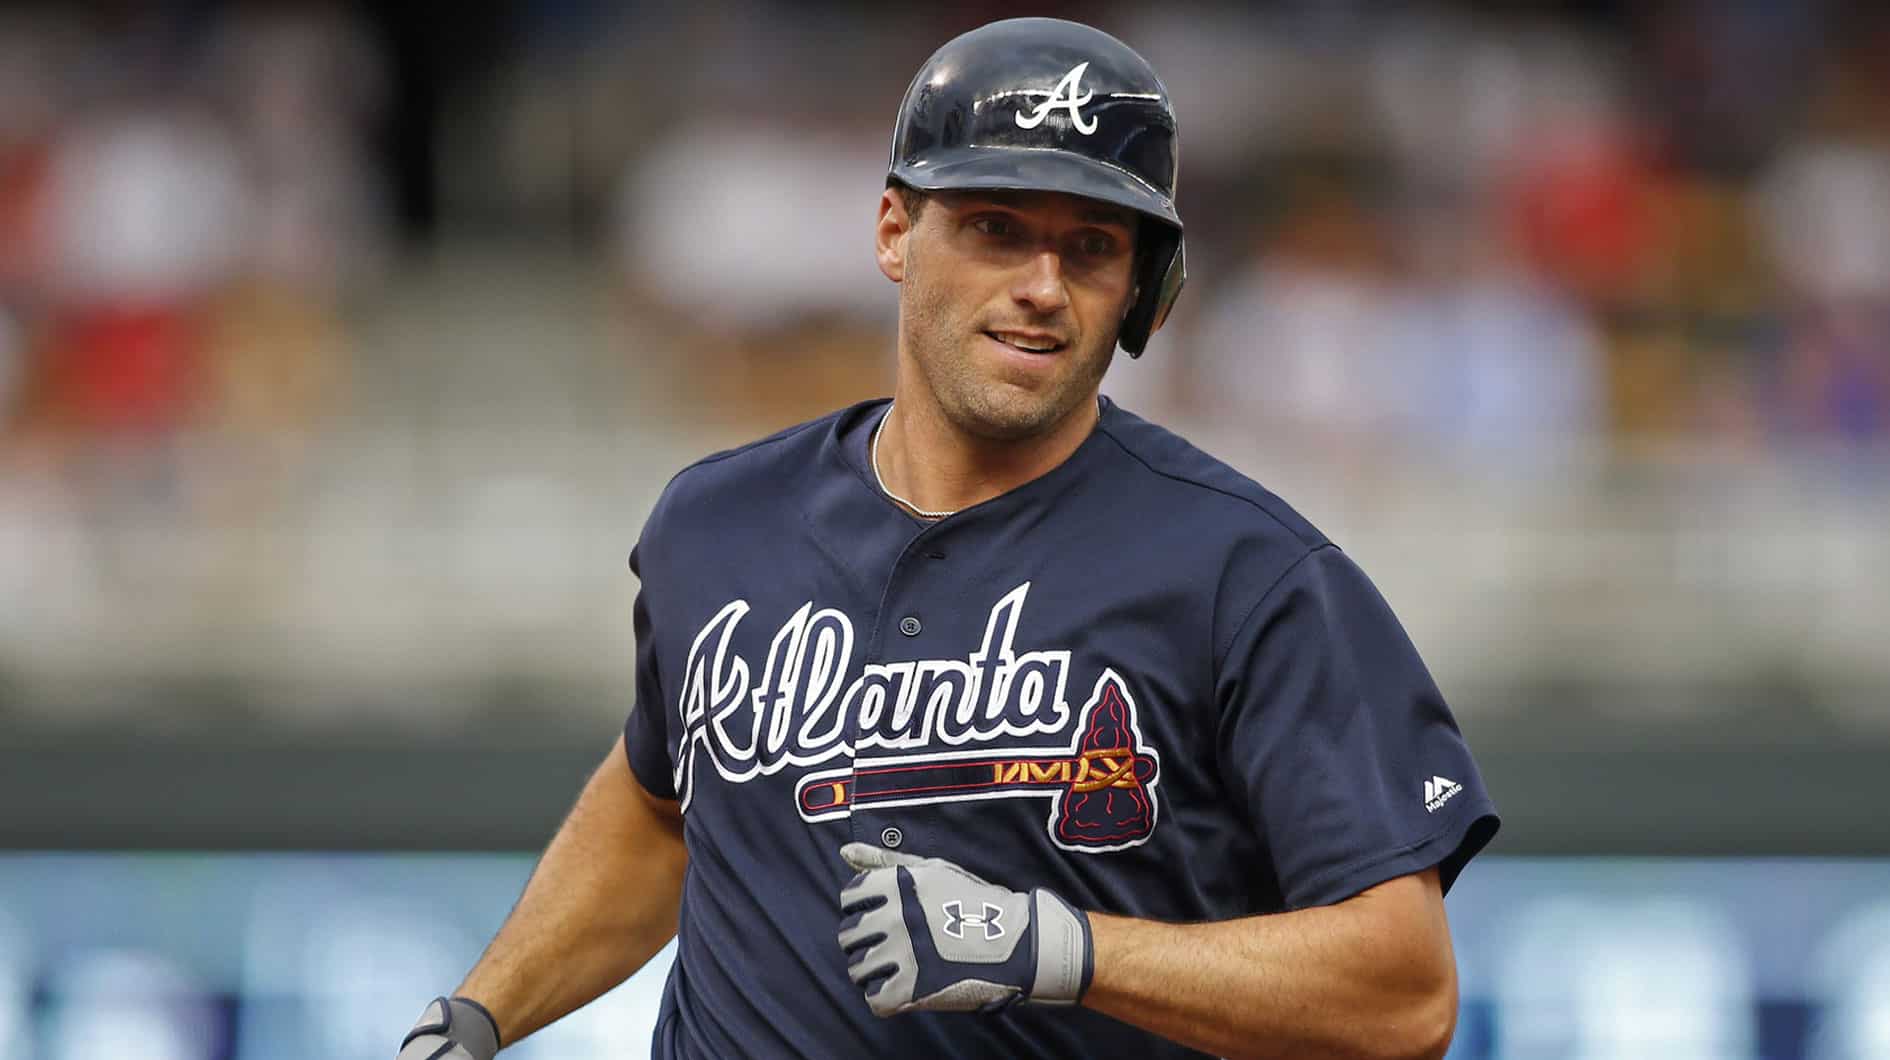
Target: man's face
column 1009, row 302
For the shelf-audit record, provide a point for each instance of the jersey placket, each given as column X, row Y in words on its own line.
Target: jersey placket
column 902, row 633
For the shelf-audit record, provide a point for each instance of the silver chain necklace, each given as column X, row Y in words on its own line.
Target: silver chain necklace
column 916, row 510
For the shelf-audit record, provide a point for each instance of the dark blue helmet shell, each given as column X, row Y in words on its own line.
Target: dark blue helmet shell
column 1041, row 104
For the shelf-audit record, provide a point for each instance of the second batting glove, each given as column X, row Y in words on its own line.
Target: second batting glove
column 982, row 946
column 452, row 1028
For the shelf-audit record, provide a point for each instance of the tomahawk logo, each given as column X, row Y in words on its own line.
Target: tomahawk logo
column 1438, row 791
column 1068, row 95
column 1101, row 787
column 990, row 921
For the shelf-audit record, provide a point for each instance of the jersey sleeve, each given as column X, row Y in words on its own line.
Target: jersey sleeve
column 646, row 731
column 1333, row 734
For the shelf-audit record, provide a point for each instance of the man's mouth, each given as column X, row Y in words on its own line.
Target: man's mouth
column 1028, row 342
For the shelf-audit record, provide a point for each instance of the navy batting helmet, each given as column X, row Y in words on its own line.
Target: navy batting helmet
column 1040, row 104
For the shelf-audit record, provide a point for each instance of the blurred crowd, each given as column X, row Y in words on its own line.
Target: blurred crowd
column 1458, row 230
column 184, row 201
column 294, row 293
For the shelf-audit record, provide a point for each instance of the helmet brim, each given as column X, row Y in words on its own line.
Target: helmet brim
column 1036, row 169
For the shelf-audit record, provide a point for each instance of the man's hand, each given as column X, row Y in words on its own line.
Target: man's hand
column 452, row 1028
column 983, row 946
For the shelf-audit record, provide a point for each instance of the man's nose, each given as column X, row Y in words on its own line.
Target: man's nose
column 1041, row 285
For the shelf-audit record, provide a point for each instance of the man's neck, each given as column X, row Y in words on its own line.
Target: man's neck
column 938, row 467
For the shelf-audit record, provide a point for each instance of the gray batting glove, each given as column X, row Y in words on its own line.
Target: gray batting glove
column 984, row 947
column 452, row 1028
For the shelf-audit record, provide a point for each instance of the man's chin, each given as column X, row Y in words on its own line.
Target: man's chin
column 1022, row 417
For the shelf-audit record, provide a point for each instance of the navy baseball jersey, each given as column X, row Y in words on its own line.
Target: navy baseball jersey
column 1141, row 681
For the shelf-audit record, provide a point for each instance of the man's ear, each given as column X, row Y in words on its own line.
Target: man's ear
column 889, row 235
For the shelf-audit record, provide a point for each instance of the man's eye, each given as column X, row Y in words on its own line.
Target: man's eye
column 994, row 226
column 1097, row 244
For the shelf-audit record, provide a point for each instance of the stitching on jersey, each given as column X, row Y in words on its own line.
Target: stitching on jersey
column 1320, row 542
column 1251, row 502
column 1220, row 656
column 779, row 436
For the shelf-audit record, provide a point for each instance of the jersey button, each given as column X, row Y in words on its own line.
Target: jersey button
column 891, row 837
column 909, row 626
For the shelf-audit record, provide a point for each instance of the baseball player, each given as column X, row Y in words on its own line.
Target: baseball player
column 993, row 720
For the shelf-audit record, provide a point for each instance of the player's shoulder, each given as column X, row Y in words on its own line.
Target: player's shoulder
column 1203, row 488
column 763, row 456
column 751, row 473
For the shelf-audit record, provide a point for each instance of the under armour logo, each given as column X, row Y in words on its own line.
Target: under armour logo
column 1068, row 95
column 990, row 920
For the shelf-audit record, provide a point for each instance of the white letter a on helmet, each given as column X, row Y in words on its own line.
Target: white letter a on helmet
column 1068, row 95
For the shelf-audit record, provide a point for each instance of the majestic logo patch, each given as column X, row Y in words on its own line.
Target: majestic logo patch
column 1068, row 95
column 941, row 719
column 1438, row 791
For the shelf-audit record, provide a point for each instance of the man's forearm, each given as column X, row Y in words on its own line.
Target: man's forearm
column 1350, row 980
column 600, row 903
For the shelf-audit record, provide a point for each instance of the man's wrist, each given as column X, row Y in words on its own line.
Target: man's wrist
column 1109, row 937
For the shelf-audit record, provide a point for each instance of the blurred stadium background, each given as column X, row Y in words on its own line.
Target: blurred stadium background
column 343, row 348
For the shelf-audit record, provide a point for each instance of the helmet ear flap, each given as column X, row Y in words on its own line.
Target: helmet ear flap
column 1160, row 274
